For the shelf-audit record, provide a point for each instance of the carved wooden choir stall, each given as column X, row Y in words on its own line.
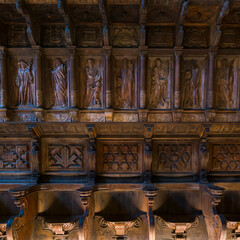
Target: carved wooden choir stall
column 119, row 119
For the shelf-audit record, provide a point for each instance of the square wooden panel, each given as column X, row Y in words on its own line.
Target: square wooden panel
column 174, row 157
column 224, row 156
column 119, row 157
column 63, row 155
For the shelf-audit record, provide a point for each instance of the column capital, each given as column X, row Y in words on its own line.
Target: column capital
column 107, row 51
column 212, row 51
column 37, row 51
column 178, row 51
column 72, row 50
column 3, row 51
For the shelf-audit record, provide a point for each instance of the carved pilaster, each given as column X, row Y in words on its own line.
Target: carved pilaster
column 150, row 192
column 3, row 77
column 212, row 53
column 215, row 223
column 178, row 54
column 143, row 54
column 37, row 66
column 72, row 65
column 108, row 71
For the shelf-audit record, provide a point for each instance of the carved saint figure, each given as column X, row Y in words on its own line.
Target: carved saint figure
column 59, row 84
column 225, row 82
column 93, row 85
column 24, row 82
column 159, row 88
column 191, row 89
column 124, row 85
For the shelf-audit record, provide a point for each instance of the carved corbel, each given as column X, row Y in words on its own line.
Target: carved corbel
column 103, row 11
column 91, row 152
column 204, row 152
column 143, row 16
column 148, row 132
column 69, row 25
column 150, row 192
column 234, row 227
column 180, row 21
column 119, row 228
column 215, row 29
column 85, row 221
column 33, row 30
column 215, row 223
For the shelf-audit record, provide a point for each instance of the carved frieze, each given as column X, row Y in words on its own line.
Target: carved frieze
column 226, row 83
column 124, row 36
column 89, row 36
column 196, row 37
column 173, row 157
column 225, row 157
column 159, row 78
column 193, row 83
column 14, row 156
column 125, row 82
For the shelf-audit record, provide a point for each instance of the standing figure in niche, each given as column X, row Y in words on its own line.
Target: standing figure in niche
column 59, row 84
column 191, row 90
column 159, row 88
column 225, row 81
column 125, row 85
column 24, row 82
column 93, row 85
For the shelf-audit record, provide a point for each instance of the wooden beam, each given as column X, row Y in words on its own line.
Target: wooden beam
column 103, row 11
column 143, row 17
column 69, row 25
column 33, row 30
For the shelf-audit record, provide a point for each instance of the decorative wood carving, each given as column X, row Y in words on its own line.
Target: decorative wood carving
column 143, row 95
column 193, row 83
column 159, row 75
column 3, row 77
column 89, row 36
column 234, row 227
column 103, row 10
column 18, row 36
column 108, row 79
column 3, row 229
column 143, row 18
column 226, row 83
column 230, row 38
column 125, row 82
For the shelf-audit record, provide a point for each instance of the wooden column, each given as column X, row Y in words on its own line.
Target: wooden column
column 108, row 71
column 3, row 77
column 210, row 98
column 143, row 93
column 38, row 70
column 178, row 53
column 72, row 83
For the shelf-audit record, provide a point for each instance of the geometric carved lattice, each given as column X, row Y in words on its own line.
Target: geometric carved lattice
column 13, row 156
column 174, row 157
column 120, row 157
column 226, row 157
column 65, row 156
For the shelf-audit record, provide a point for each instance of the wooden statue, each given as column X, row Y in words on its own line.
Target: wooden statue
column 24, row 82
column 59, row 83
column 225, row 82
column 93, row 85
column 159, row 89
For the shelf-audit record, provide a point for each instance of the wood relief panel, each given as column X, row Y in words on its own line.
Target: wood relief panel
column 160, row 82
column 92, row 80
column 124, row 36
column 173, row 157
column 63, row 155
column 89, row 36
column 125, row 82
column 56, row 87
column 226, row 83
column 225, row 157
column 22, row 82
column 162, row 37
column 17, row 36
column 193, row 77
column 230, row 38
column 119, row 157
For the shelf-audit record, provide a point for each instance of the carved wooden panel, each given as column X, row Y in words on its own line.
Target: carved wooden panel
column 17, row 36
column 92, row 82
column 233, row 16
column 173, row 157
column 193, row 77
column 230, row 38
column 63, row 155
column 124, row 36
column 225, row 157
column 119, row 157
column 162, row 37
column 89, row 36
column 56, row 86
column 226, row 83
column 160, row 82
column 196, row 37
column 125, row 82
column 8, row 13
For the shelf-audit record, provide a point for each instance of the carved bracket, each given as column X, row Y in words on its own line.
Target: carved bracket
column 215, row 223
